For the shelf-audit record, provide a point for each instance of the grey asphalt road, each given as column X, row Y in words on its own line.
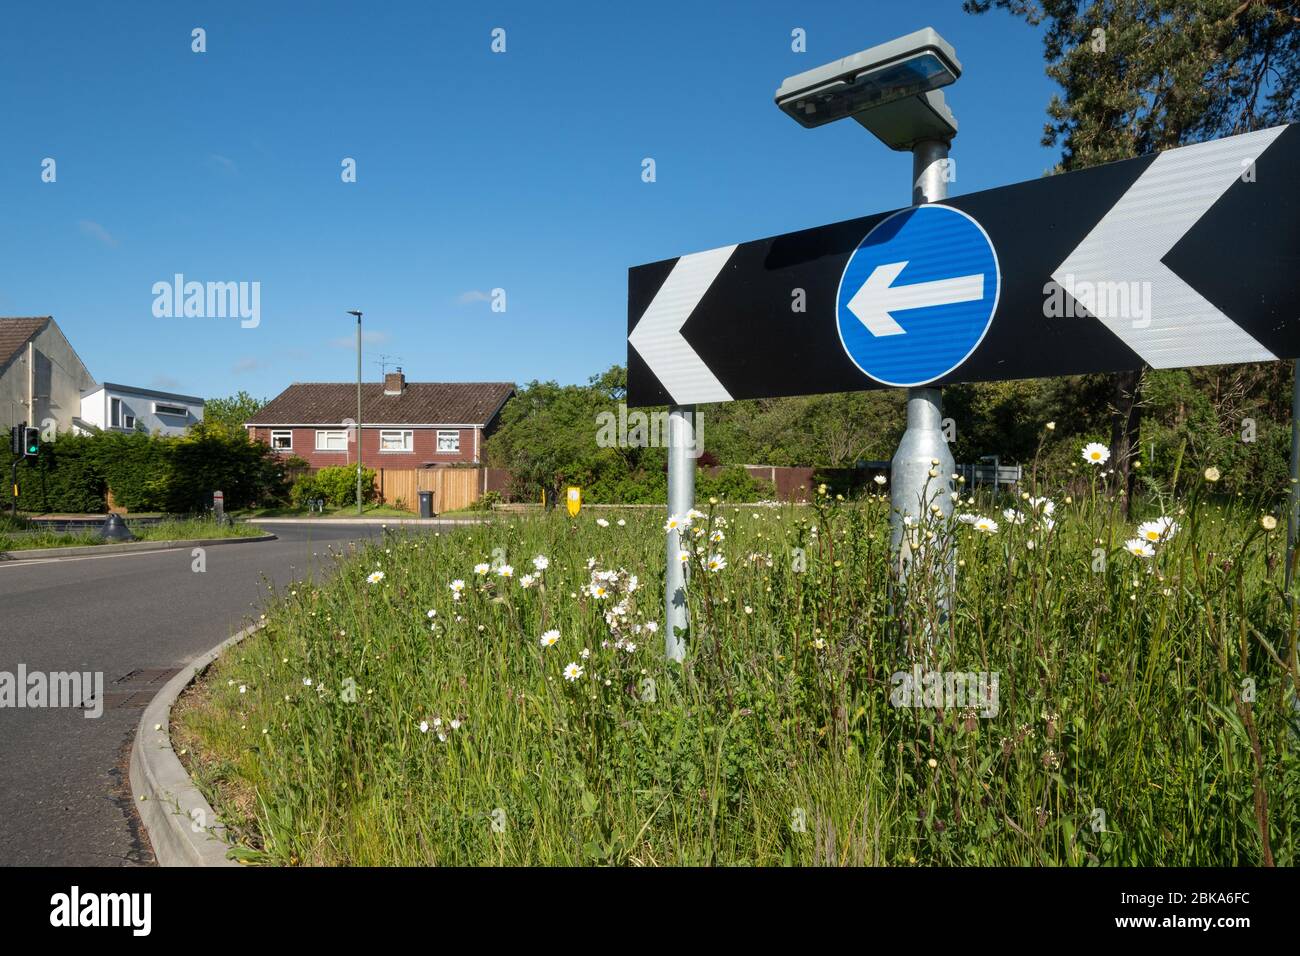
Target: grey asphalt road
column 64, row 795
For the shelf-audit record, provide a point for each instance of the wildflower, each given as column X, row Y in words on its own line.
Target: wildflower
column 1139, row 548
column 1043, row 506
column 431, row 613
column 716, row 536
column 572, row 672
column 1212, row 474
column 968, row 518
column 550, row 638
column 819, row 643
column 1095, row 453
column 695, row 515
column 932, row 763
column 716, row 562
column 602, row 522
column 622, row 523
column 505, row 571
column 879, row 479
column 1013, row 516
column 629, row 647
column 374, row 577
column 1269, row 522
column 1051, row 426
column 424, row 726
column 1161, row 529
column 482, row 568
column 243, row 688
column 987, row 525
column 541, row 562
column 683, row 556
column 585, row 653
column 652, row 626
column 455, row 723
column 675, row 523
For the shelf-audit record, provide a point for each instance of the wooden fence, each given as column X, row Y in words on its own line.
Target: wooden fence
column 452, row 488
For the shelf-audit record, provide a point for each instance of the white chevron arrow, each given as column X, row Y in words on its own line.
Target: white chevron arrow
column 658, row 336
column 1167, row 200
column 879, row 296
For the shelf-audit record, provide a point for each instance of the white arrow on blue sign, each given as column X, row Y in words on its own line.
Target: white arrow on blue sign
column 917, row 295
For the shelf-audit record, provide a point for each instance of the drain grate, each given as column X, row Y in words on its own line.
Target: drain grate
column 136, row 688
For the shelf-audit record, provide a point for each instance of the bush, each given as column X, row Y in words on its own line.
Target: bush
column 338, row 484
column 73, row 473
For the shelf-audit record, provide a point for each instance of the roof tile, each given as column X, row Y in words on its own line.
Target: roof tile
column 422, row 403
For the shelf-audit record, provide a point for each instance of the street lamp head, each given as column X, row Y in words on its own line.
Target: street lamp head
column 356, row 312
column 891, row 89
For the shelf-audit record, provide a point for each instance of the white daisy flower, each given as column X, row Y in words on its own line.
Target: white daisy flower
column 505, row 571
column 987, row 525
column 457, row 586
column 1158, row 529
column 716, row 562
column 1139, row 548
column 424, row 726
column 1095, row 453
column 374, row 577
column 550, row 638
column 482, row 568
column 572, row 672
column 602, row 522
column 527, row 581
column 541, row 562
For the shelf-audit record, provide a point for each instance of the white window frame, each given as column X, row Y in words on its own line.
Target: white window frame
column 171, row 408
column 407, row 439
column 116, row 412
column 454, row 433
column 282, row 433
column 331, row 431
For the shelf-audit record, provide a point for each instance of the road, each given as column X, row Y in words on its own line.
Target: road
column 64, row 795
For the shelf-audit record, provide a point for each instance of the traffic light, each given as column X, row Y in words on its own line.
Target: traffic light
column 31, row 441
column 16, row 439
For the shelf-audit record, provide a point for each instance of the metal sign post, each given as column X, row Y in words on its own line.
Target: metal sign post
column 922, row 467
column 681, row 499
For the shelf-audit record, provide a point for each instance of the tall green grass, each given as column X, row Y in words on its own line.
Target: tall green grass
column 1145, row 705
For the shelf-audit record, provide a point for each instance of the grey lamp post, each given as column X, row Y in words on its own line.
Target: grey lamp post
column 893, row 90
column 357, row 313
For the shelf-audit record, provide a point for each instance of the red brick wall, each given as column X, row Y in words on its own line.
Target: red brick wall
column 424, row 448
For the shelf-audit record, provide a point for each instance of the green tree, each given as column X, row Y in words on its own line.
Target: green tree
column 233, row 410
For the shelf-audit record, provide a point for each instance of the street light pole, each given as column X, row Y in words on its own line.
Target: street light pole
column 357, row 313
column 913, row 492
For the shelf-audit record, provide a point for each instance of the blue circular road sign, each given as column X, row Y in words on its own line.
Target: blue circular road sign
column 917, row 295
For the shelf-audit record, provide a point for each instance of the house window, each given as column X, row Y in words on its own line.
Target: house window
column 331, row 441
column 180, row 411
column 395, row 440
column 282, row 440
column 121, row 418
column 448, row 441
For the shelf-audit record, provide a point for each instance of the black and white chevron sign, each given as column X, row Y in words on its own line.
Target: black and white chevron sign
column 1188, row 257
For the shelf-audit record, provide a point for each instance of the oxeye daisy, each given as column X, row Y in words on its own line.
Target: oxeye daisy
column 987, row 525
column 674, row 523
column 482, row 568
column 550, row 638
column 541, row 562
column 716, row 562
column 1139, row 548
column 572, row 672
column 505, row 571
column 1160, row 529
column 602, row 522
column 1095, row 453
column 374, row 577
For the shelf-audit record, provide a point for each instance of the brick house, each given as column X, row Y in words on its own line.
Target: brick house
column 404, row 424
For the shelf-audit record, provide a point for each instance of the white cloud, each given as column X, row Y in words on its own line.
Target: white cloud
column 250, row 364
column 473, row 295
column 95, row 231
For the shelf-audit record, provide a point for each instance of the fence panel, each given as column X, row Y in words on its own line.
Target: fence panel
column 453, row 488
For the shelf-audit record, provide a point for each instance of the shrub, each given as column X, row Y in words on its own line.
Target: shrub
column 339, row 484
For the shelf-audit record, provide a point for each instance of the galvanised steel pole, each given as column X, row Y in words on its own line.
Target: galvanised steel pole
column 359, row 434
column 681, row 499
column 913, row 491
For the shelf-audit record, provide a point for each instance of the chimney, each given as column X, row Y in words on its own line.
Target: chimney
column 394, row 383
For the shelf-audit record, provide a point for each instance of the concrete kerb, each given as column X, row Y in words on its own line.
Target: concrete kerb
column 33, row 554
column 183, row 827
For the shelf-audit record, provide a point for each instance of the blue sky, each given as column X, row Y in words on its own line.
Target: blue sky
column 475, row 170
